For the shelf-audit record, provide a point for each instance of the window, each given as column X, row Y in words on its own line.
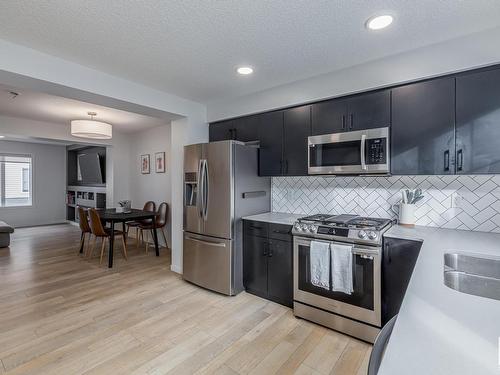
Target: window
column 26, row 180
column 15, row 180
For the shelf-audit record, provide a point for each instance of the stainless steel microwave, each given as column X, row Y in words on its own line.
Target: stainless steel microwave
column 356, row 152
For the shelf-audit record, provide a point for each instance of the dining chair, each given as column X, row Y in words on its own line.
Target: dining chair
column 161, row 223
column 149, row 206
column 99, row 231
column 85, row 228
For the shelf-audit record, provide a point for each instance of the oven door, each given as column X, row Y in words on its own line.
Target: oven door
column 364, row 304
column 357, row 152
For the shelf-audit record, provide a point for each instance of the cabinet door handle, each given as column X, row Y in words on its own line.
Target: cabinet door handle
column 447, row 160
column 280, row 232
column 351, row 117
column 264, row 253
column 270, row 251
column 460, row 160
column 343, row 122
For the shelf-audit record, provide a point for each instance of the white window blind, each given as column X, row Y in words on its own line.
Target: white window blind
column 15, row 180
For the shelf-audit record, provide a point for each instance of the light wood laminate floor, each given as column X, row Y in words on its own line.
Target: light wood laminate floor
column 62, row 314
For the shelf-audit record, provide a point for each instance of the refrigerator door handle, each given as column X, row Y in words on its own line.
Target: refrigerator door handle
column 199, row 197
column 206, row 187
column 209, row 243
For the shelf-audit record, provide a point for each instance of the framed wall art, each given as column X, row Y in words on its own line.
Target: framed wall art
column 160, row 162
column 145, row 167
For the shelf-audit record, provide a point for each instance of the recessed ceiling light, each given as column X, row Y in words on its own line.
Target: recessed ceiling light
column 379, row 22
column 244, row 70
column 2, row 136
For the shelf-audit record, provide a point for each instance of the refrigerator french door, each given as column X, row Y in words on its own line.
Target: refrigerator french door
column 208, row 180
column 221, row 185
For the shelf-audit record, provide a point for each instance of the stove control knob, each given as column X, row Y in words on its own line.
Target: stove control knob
column 362, row 234
column 303, row 227
column 372, row 235
column 296, row 226
column 313, row 228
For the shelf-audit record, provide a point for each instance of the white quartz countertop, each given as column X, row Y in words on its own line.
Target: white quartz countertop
column 275, row 217
column 439, row 330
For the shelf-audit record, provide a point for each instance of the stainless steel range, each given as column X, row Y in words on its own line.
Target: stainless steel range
column 358, row 313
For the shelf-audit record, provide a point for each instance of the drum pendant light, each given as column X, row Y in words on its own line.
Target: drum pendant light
column 91, row 128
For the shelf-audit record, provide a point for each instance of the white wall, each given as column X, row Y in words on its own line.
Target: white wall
column 48, row 184
column 153, row 186
column 463, row 53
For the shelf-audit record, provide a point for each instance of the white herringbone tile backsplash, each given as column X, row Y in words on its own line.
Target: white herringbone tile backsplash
column 478, row 200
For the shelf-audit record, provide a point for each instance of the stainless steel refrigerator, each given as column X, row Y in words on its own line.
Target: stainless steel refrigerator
column 221, row 185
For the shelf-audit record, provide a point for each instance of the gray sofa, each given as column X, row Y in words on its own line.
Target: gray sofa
column 5, row 231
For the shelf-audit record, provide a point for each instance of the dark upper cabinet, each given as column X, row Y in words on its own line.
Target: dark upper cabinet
column 478, row 122
column 243, row 129
column 255, row 264
column 296, row 129
column 423, row 128
column 247, row 128
column 270, row 133
column 221, row 131
column 368, row 111
column 280, row 272
column 329, row 117
column 364, row 111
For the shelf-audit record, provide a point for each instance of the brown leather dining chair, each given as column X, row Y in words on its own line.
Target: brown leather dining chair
column 84, row 227
column 104, row 233
column 161, row 223
column 149, row 206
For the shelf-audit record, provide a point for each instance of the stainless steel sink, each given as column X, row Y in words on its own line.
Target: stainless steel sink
column 474, row 274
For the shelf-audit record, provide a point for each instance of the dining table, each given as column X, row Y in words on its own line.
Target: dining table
column 112, row 216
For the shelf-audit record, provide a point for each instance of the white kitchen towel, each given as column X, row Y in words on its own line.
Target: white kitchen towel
column 342, row 268
column 320, row 264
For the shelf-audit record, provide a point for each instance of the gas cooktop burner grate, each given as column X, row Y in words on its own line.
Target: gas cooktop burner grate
column 347, row 221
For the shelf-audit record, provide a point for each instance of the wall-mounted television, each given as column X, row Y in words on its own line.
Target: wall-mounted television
column 90, row 168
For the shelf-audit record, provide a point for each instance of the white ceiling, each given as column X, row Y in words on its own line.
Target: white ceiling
column 191, row 47
column 43, row 107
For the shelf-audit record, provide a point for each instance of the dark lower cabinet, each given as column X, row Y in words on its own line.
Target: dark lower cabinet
column 478, row 122
column 268, row 262
column 398, row 260
column 255, row 265
column 280, row 272
column 423, row 128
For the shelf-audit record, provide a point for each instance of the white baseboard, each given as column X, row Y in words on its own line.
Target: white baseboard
column 176, row 269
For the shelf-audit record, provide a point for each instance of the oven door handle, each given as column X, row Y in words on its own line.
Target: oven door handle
column 375, row 251
column 363, row 153
column 365, row 253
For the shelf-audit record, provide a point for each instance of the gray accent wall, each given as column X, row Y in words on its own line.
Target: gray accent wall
column 49, row 185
